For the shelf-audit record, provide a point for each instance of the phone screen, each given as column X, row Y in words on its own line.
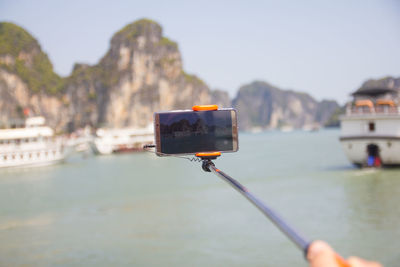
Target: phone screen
column 189, row 132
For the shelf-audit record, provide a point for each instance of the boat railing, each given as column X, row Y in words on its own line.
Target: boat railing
column 364, row 110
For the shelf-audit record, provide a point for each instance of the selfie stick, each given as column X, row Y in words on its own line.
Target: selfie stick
column 209, row 166
column 297, row 239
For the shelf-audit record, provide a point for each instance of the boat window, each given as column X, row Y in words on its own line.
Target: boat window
column 371, row 126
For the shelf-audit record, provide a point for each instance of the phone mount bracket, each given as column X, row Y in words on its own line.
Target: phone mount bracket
column 207, row 158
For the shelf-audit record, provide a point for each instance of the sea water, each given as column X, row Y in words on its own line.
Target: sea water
column 143, row 210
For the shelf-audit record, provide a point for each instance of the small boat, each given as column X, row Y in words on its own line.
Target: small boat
column 108, row 141
column 80, row 140
column 370, row 129
column 32, row 144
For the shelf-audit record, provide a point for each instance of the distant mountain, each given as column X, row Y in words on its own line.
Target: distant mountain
column 141, row 73
column 221, row 98
column 27, row 79
column 262, row 105
column 333, row 120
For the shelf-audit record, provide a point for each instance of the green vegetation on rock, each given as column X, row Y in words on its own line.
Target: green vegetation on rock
column 334, row 121
column 93, row 74
column 132, row 31
column 29, row 62
column 189, row 78
column 14, row 39
column 167, row 42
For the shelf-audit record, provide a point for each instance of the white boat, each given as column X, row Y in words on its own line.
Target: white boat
column 80, row 140
column 34, row 144
column 370, row 129
column 109, row 141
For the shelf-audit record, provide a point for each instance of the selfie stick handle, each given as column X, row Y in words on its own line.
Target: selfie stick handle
column 300, row 241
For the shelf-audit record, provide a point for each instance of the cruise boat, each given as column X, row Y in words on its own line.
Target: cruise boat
column 108, row 141
column 32, row 144
column 370, row 129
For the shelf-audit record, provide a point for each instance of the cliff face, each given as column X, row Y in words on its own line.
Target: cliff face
column 140, row 74
column 27, row 79
column 221, row 98
column 260, row 104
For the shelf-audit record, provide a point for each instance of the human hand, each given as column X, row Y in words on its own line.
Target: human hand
column 320, row 254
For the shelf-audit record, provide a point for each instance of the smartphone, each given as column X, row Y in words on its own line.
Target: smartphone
column 191, row 132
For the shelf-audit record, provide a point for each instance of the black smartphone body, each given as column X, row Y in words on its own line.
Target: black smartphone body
column 190, row 132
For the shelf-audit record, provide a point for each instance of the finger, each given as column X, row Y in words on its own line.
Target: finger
column 321, row 254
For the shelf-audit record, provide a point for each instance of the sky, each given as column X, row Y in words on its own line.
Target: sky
column 325, row 48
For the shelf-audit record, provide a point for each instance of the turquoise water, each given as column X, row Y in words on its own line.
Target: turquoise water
column 142, row 210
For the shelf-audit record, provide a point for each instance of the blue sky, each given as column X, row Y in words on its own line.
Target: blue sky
column 324, row 48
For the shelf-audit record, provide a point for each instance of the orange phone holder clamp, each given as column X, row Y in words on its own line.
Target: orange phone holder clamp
column 207, row 158
column 208, row 155
column 205, row 107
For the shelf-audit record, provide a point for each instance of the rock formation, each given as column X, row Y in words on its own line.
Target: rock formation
column 221, row 98
column 27, row 80
column 140, row 74
column 261, row 105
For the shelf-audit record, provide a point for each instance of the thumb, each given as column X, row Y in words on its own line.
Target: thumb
column 321, row 254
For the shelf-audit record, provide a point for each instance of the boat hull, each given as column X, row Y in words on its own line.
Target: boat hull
column 31, row 163
column 103, row 148
column 108, row 141
column 356, row 149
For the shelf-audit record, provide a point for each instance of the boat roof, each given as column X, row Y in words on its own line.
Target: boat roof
column 124, row 131
column 21, row 133
column 374, row 91
column 364, row 103
column 35, row 121
column 385, row 102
